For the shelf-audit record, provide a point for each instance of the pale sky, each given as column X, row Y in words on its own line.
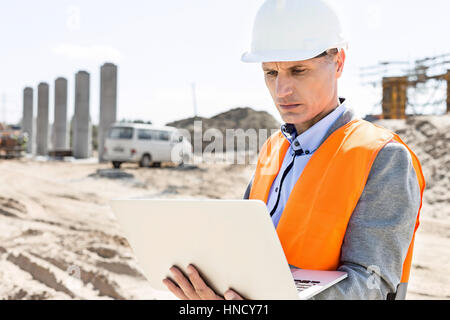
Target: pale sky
column 161, row 47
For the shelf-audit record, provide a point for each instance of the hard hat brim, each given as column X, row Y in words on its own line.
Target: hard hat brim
column 287, row 55
column 250, row 57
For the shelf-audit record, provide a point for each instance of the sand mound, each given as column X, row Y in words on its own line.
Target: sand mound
column 239, row 118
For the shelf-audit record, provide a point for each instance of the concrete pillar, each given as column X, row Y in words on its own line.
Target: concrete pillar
column 81, row 124
column 42, row 120
column 108, row 103
column 60, row 121
column 27, row 118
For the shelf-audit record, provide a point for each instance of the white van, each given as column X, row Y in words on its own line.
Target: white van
column 145, row 144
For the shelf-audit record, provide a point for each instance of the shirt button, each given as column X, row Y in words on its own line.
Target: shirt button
column 307, row 152
column 296, row 143
column 276, row 189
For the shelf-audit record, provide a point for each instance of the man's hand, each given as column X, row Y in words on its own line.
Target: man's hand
column 194, row 288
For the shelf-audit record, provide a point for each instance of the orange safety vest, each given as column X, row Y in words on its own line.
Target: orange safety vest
column 315, row 218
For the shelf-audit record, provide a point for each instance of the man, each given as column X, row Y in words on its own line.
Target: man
column 343, row 194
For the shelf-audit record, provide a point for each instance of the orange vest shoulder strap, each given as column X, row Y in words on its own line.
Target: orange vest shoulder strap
column 268, row 165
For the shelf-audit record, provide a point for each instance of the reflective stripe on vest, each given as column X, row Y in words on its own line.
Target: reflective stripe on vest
column 315, row 218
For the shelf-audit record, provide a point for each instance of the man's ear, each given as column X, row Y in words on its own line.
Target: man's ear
column 340, row 61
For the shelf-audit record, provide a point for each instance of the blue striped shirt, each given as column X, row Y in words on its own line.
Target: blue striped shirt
column 301, row 149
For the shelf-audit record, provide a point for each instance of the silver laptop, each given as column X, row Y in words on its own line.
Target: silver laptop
column 233, row 243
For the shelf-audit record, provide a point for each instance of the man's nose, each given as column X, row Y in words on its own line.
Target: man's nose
column 283, row 87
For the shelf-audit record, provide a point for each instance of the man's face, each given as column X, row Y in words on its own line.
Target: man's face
column 304, row 90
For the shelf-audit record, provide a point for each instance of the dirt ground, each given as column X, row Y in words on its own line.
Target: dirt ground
column 55, row 222
column 56, row 227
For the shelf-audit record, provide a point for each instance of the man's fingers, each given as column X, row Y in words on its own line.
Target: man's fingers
column 232, row 295
column 195, row 287
column 175, row 289
column 184, row 284
column 204, row 291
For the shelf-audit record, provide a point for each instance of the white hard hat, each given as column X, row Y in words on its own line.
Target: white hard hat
column 294, row 30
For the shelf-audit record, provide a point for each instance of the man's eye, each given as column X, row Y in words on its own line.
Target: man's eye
column 271, row 73
column 298, row 71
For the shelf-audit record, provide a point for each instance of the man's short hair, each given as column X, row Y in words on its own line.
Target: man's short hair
column 330, row 53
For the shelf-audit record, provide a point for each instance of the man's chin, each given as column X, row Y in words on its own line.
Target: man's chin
column 293, row 118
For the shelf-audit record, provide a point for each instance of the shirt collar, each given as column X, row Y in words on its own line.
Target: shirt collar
column 310, row 139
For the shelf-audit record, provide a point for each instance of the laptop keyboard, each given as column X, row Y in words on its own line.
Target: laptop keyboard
column 305, row 284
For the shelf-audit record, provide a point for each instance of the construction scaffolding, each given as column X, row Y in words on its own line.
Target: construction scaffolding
column 398, row 91
column 394, row 97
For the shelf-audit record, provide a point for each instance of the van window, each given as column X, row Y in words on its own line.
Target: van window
column 144, row 134
column 121, row 133
column 163, row 135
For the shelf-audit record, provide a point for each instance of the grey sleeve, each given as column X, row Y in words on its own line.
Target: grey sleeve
column 380, row 229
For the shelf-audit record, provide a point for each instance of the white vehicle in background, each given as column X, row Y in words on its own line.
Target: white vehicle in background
column 146, row 144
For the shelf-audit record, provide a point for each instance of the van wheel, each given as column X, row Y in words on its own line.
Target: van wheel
column 184, row 161
column 116, row 164
column 145, row 161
